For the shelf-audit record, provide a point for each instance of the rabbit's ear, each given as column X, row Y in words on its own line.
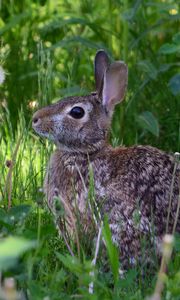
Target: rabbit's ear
column 101, row 63
column 115, row 82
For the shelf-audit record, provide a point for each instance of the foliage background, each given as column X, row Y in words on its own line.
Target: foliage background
column 47, row 50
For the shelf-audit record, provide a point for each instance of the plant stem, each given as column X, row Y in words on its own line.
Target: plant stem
column 125, row 58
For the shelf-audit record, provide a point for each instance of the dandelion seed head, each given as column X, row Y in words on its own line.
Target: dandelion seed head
column 2, row 75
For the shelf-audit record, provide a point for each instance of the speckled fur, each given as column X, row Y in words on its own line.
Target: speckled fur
column 130, row 183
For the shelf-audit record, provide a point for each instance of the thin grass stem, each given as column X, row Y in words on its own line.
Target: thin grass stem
column 171, row 191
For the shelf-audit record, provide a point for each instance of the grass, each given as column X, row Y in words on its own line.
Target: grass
column 55, row 44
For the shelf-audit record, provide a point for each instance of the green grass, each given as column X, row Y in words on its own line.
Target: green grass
column 47, row 51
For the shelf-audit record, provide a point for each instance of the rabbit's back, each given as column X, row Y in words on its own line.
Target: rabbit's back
column 139, row 177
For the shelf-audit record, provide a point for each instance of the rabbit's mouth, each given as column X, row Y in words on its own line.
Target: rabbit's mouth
column 43, row 127
column 42, row 131
column 47, row 135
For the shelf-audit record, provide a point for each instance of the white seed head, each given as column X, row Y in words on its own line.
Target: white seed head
column 2, row 75
column 168, row 242
column 168, row 239
column 177, row 155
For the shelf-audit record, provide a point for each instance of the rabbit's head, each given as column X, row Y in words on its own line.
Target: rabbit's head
column 81, row 124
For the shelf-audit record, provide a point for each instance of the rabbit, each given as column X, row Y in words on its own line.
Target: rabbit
column 132, row 184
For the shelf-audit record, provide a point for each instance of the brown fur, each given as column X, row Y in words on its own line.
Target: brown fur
column 132, row 185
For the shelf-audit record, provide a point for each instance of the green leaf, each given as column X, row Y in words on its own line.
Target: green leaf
column 71, row 263
column 164, row 67
column 148, row 68
column 169, row 48
column 81, row 269
column 131, row 12
column 19, row 211
column 58, row 24
column 174, row 84
column 16, row 20
column 2, row 215
column 11, row 248
column 148, row 121
column 176, row 38
column 112, row 251
column 177, row 243
column 77, row 39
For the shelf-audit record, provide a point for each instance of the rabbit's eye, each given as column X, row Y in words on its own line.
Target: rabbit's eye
column 77, row 112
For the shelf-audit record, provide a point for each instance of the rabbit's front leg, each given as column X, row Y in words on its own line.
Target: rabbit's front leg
column 50, row 190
